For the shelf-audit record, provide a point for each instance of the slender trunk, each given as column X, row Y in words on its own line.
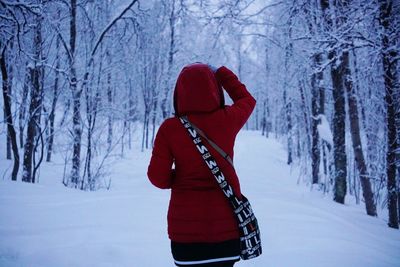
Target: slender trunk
column 392, row 88
column 132, row 103
column 10, row 83
column 390, row 155
column 298, row 140
column 172, row 50
column 42, row 145
column 129, row 135
column 287, row 99
column 53, row 104
column 67, row 106
column 76, row 102
column 288, row 109
column 34, row 107
column 356, row 138
column 321, row 90
column 339, row 129
column 266, row 116
column 357, row 92
column 264, row 119
column 110, row 103
column 22, row 107
column 92, row 124
column 305, row 114
column 131, row 112
column 153, row 119
column 339, row 117
column 144, row 128
column 77, row 134
column 315, row 64
column 8, row 114
column 257, row 115
column 92, row 103
column 147, row 130
column 8, row 141
column 268, row 121
column 316, row 79
column 125, row 128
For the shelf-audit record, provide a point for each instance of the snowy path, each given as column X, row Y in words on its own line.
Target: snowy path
column 48, row 225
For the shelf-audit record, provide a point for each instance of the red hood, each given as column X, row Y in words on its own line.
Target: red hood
column 197, row 90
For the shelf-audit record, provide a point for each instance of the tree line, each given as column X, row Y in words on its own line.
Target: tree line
column 80, row 77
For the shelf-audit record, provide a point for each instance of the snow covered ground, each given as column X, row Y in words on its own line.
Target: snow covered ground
column 47, row 224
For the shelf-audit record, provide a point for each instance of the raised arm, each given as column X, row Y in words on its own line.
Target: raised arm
column 243, row 101
column 159, row 171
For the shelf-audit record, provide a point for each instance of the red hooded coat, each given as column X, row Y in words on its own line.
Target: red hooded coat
column 198, row 210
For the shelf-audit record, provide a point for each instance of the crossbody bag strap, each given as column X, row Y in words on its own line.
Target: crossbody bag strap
column 250, row 242
column 212, row 164
column 211, row 142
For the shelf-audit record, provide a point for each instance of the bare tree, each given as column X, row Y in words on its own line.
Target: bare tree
column 390, row 54
column 356, row 138
column 56, row 93
column 7, row 112
column 35, row 106
column 287, row 101
column 333, row 20
column 74, row 178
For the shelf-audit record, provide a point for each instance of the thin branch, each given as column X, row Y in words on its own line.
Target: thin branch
column 109, row 27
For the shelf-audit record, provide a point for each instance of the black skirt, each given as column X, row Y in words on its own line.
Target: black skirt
column 206, row 254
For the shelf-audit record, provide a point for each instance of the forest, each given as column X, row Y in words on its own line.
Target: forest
column 81, row 79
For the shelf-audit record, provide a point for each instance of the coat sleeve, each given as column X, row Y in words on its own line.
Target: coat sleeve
column 160, row 172
column 243, row 101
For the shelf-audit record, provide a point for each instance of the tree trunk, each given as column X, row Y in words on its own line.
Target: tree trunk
column 8, row 115
column 10, row 82
column 22, row 107
column 356, row 138
column 131, row 103
column 77, row 133
column 325, row 146
column 287, row 99
column 389, row 58
column 110, row 115
column 339, row 129
column 54, row 103
column 147, row 130
column 264, row 119
column 256, row 115
column 154, row 106
column 110, row 102
column 76, row 98
column 34, row 108
column 288, row 109
column 305, row 115
column 8, row 141
column 339, row 116
column 316, row 79
column 146, row 115
column 266, row 116
column 131, row 112
column 92, row 103
column 172, row 50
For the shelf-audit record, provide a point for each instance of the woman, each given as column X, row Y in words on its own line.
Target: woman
column 201, row 223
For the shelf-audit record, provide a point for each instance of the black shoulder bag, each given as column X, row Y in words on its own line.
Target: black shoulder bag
column 250, row 242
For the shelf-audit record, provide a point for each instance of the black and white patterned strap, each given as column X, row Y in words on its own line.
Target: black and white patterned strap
column 250, row 242
column 212, row 164
column 211, row 142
